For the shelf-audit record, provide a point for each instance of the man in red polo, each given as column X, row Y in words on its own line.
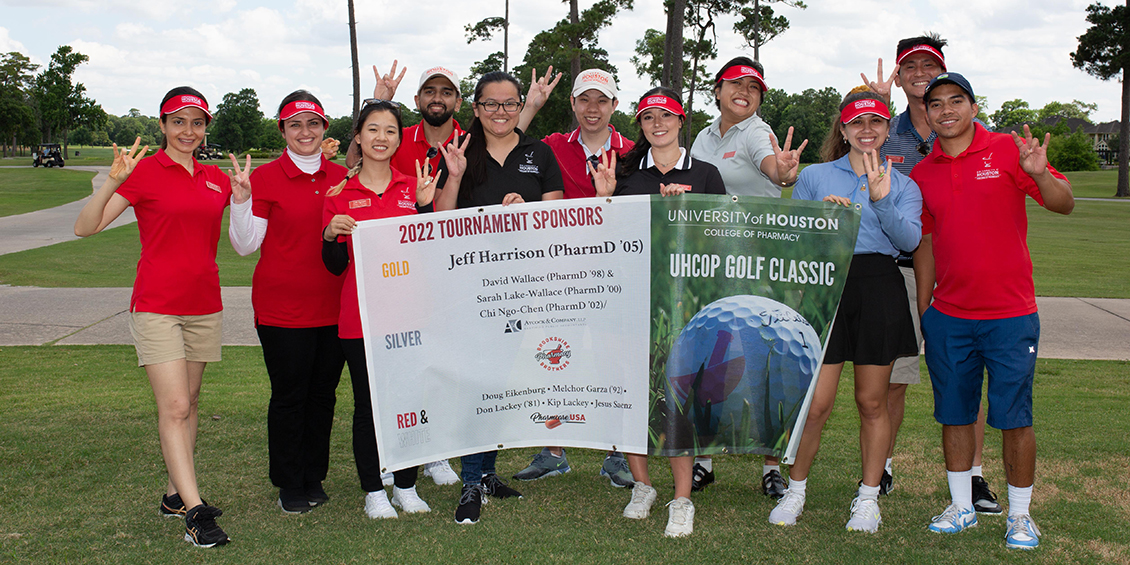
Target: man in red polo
column 982, row 313
column 437, row 98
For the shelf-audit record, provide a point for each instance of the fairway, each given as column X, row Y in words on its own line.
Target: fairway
column 81, row 476
column 27, row 190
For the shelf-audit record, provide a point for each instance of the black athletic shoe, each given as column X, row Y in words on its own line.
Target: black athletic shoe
column 493, row 486
column 294, row 501
column 470, row 505
column 984, row 501
column 886, row 483
column 316, row 494
column 173, row 506
column 701, row 477
column 772, row 484
column 200, row 527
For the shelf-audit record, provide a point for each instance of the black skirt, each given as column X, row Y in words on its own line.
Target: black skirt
column 873, row 324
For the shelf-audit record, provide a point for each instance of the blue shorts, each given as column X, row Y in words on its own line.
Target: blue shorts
column 957, row 353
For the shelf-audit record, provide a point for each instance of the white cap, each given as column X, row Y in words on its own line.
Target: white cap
column 595, row 79
column 439, row 72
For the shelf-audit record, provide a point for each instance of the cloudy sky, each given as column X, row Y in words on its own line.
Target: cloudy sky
column 139, row 49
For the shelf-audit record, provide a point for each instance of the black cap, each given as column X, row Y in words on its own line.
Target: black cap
column 950, row 78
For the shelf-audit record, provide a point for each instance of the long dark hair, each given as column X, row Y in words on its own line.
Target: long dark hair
column 736, row 61
column 835, row 145
column 377, row 106
column 477, row 154
column 631, row 161
column 180, row 91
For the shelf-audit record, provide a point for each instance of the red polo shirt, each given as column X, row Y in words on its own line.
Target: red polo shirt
column 571, row 158
column 973, row 204
column 414, row 146
column 360, row 203
column 291, row 288
column 178, row 219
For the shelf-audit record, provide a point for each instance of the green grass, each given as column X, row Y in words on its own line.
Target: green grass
column 27, row 190
column 1082, row 254
column 81, row 475
column 1093, row 184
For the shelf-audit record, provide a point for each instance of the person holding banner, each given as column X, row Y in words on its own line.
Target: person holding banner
column 751, row 163
column 296, row 301
column 657, row 165
column 872, row 324
column 175, row 310
column 371, row 190
column 496, row 163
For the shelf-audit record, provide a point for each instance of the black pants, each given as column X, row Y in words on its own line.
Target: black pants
column 304, row 365
column 364, row 433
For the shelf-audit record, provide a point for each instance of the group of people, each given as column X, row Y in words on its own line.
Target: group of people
column 934, row 189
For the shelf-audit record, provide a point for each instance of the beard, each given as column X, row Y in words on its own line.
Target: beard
column 436, row 120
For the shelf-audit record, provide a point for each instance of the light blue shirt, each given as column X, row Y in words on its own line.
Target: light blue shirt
column 888, row 225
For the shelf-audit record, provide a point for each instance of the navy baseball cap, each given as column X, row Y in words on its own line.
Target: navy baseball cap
column 950, row 78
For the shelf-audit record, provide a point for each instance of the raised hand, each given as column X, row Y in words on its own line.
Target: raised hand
column 330, row 147
column 879, row 86
column 604, row 175
column 240, row 180
column 425, row 187
column 454, row 156
column 125, row 161
column 540, row 89
column 878, row 177
column 1033, row 156
column 386, row 85
column 788, row 161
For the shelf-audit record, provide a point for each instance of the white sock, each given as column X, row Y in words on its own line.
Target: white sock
column 766, row 468
column 706, row 462
column 1018, row 500
column 887, row 467
column 977, row 471
column 868, row 493
column 798, row 485
column 961, row 488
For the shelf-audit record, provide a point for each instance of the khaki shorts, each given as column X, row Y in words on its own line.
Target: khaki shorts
column 906, row 369
column 160, row 338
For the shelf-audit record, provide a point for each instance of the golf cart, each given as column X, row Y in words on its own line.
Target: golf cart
column 47, row 155
column 209, row 151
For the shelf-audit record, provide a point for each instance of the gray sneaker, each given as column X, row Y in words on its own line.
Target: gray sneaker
column 544, row 465
column 616, row 469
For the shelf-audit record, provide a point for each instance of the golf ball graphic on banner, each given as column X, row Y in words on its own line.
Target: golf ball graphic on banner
column 740, row 369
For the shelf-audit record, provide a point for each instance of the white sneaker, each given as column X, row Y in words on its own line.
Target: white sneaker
column 643, row 497
column 441, row 472
column 788, row 508
column 406, row 499
column 387, row 479
column 377, row 505
column 680, row 518
column 953, row 520
column 864, row 516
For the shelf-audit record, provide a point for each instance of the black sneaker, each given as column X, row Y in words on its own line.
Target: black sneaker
column 772, row 484
column 984, row 501
column 886, row 483
column 493, row 486
column 294, row 501
column 173, row 506
column 701, row 477
column 470, row 505
column 316, row 494
column 200, row 527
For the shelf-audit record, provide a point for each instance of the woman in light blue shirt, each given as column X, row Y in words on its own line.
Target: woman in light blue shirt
column 872, row 326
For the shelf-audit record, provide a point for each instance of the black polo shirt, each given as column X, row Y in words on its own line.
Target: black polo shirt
column 702, row 177
column 530, row 169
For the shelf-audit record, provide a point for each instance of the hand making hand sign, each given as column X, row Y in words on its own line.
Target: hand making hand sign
column 125, row 161
column 386, row 85
column 425, row 184
column 541, row 88
column 788, row 161
column 879, row 86
column 240, row 180
column 604, row 175
column 1033, row 156
column 878, row 175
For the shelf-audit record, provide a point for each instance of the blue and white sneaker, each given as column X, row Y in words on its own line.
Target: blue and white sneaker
column 1022, row 533
column 953, row 520
column 544, row 465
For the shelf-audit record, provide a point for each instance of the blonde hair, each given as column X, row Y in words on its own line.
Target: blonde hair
column 352, row 173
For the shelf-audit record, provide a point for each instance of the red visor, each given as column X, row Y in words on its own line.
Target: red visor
column 660, row 101
column 739, row 71
column 299, row 106
column 865, row 106
column 178, row 103
column 922, row 48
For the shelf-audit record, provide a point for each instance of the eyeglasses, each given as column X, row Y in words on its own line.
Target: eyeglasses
column 492, row 106
column 368, row 101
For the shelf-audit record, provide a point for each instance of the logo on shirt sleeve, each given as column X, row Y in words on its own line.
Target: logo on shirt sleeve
column 360, row 203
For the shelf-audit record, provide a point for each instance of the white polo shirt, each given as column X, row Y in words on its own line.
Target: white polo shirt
column 738, row 155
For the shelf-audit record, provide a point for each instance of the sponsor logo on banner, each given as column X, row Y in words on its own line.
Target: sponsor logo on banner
column 553, row 354
column 554, row 420
column 513, row 326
